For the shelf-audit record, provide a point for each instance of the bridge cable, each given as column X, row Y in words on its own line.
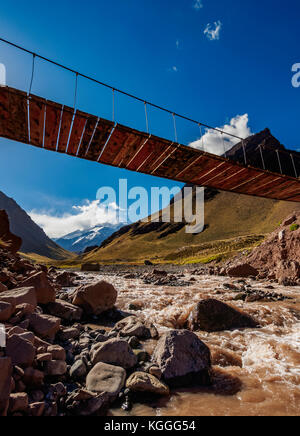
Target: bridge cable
column 146, row 115
column 262, row 157
column 32, row 73
column 175, row 128
column 280, row 167
column 245, row 153
column 292, row 157
column 113, row 104
column 116, row 89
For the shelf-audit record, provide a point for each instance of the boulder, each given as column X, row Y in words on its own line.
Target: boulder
column 33, row 378
column 57, row 352
column 213, row 316
column 104, row 378
column 21, row 351
column 66, row 334
column 115, row 352
column 85, row 403
column 78, row 371
column 64, row 310
column 45, row 292
column 65, row 279
column 242, row 270
column 143, row 382
column 11, row 242
column 3, row 288
column 183, row 359
column 96, row 298
column 134, row 326
column 6, row 311
column 5, row 384
column 44, row 326
column 55, row 368
column 90, row 267
column 18, row 402
column 20, row 296
column 37, row 409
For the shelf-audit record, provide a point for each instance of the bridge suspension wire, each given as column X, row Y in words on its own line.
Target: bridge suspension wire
column 294, row 165
column 222, row 136
column 279, row 162
column 32, row 73
column 92, row 79
column 175, row 128
column 245, row 153
column 201, row 136
column 146, row 115
column 262, row 157
column 113, row 105
column 75, row 92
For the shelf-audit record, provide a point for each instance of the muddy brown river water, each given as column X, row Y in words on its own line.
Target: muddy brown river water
column 256, row 372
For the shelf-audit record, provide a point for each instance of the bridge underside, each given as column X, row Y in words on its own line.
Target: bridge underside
column 43, row 123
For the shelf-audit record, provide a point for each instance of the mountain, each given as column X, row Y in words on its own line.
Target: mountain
column 34, row 239
column 233, row 222
column 80, row 241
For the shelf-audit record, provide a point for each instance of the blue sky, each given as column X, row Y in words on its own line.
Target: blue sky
column 212, row 63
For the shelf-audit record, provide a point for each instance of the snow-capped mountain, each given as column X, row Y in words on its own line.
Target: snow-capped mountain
column 79, row 241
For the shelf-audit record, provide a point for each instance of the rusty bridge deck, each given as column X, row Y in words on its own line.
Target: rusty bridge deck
column 42, row 123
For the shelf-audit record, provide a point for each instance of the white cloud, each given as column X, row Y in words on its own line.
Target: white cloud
column 198, row 4
column 175, row 69
column 213, row 31
column 212, row 141
column 178, row 44
column 83, row 217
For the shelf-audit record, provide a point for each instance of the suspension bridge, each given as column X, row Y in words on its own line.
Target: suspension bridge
column 36, row 121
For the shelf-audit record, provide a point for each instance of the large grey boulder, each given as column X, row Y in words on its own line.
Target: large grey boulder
column 64, row 310
column 96, row 298
column 114, row 352
column 183, row 359
column 212, row 316
column 104, row 378
column 134, row 326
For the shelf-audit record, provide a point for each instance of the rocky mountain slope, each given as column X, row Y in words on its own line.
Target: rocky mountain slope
column 232, row 221
column 80, row 241
column 35, row 240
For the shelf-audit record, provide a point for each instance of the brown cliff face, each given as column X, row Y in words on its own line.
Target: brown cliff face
column 278, row 256
column 11, row 242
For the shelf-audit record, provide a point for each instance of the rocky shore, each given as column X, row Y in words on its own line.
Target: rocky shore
column 73, row 347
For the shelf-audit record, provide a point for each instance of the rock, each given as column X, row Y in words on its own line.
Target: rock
column 143, row 382
column 3, row 288
column 242, row 270
column 11, row 242
column 65, row 279
column 64, row 310
column 45, row 292
column 290, row 220
column 21, row 351
column 148, row 263
column 55, row 368
column 66, row 334
column 57, row 352
column 36, row 409
column 78, row 370
column 115, row 352
column 183, row 359
column 33, row 377
column 6, row 311
column 106, row 378
column 155, row 370
column 46, row 357
column 20, row 296
column 213, row 316
column 90, row 267
column 85, row 403
column 96, row 298
column 133, row 326
column 18, row 402
column 5, row 384
column 44, row 326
